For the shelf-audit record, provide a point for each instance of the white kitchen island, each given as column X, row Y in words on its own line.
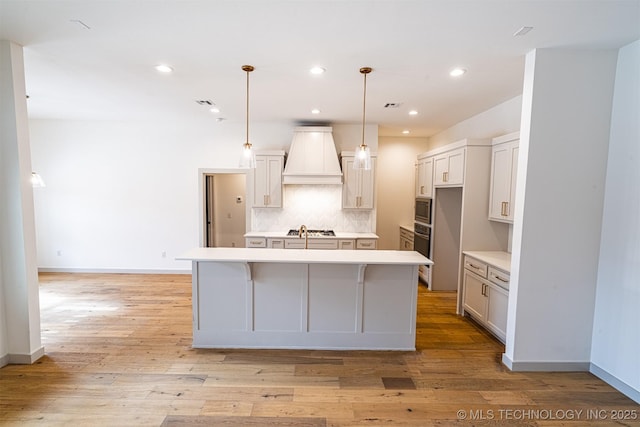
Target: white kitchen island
column 307, row 299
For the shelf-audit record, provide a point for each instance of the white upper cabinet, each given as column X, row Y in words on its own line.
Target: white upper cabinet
column 449, row 168
column 504, row 168
column 424, row 177
column 358, row 187
column 267, row 180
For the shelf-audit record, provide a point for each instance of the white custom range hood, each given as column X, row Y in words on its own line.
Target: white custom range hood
column 312, row 158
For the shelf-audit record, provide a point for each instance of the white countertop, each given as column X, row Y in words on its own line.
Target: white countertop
column 306, row 256
column 498, row 259
column 407, row 227
column 283, row 234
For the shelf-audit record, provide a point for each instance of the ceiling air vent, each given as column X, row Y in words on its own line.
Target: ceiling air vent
column 392, row 104
column 205, row 102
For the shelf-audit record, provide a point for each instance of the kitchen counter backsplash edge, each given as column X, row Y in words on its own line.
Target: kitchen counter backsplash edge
column 283, row 234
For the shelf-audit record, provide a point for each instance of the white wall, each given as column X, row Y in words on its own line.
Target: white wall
column 500, row 120
column 616, row 341
column 119, row 194
column 561, row 170
column 395, row 191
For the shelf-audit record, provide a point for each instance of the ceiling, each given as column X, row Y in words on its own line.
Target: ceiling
column 94, row 59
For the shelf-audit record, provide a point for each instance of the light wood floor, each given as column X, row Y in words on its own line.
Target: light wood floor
column 118, row 354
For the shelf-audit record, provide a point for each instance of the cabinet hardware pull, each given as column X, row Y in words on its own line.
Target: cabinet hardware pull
column 504, row 210
column 474, row 266
column 422, row 189
column 501, row 279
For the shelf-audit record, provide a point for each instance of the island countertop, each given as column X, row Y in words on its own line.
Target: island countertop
column 305, row 256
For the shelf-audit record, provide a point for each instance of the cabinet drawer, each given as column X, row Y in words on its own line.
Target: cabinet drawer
column 366, row 244
column 346, row 244
column 499, row 277
column 311, row 244
column 256, row 242
column 476, row 266
column 275, row 243
column 406, row 234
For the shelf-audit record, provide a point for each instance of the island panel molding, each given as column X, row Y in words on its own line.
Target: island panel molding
column 277, row 298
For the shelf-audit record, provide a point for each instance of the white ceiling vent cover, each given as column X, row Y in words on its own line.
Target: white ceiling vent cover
column 312, row 158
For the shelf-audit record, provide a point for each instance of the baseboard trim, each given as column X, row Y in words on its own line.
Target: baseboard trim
column 614, row 382
column 4, row 360
column 530, row 366
column 111, row 271
column 25, row 359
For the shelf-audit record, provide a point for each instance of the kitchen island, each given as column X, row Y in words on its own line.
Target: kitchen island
column 307, row 299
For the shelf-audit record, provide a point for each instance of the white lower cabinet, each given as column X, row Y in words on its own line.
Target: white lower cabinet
column 483, row 300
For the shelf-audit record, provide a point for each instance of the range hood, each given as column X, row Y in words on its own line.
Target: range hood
column 312, row 158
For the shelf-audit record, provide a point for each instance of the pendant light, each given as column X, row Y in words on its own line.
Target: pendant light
column 362, row 159
column 248, row 159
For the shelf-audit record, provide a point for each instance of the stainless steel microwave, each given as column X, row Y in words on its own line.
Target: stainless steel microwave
column 423, row 210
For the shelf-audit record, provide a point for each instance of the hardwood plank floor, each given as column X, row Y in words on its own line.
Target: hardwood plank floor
column 118, row 354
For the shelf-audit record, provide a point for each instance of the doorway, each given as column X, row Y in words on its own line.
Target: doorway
column 224, row 210
column 447, row 222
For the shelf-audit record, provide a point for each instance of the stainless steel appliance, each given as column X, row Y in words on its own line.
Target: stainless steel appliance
column 422, row 245
column 422, row 239
column 423, row 210
column 313, row 233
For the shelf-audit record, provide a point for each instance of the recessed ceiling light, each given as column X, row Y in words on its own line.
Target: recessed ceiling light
column 315, row 111
column 317, row 70
column 215, row 110
column 163, row 68
column 413, row 113
column 457, row 72
column 406, row 132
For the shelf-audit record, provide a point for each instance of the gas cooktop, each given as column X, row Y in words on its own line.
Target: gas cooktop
column 313, row 233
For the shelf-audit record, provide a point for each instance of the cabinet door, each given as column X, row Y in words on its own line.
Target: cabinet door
column 359, row 185
column 346, row 244
column 456, row 167
column 367, row 184
column 475, row 301
column 497, row 306
column 449, row 168
column 260, row 182
column 267, row 182
column 274, row 171
column 504, row 167
column 424, row 179
column 440, row 169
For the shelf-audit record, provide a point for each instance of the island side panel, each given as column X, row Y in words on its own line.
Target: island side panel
column 280, row 303
column 390, row 297
column 221, row 294
column 333, row 298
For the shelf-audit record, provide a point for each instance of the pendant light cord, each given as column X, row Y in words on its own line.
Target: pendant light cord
column 364, row 71
column 364, row 105
column 248, row 69
column 247, row 106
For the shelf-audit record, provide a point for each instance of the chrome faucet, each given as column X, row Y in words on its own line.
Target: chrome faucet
column 303, row 229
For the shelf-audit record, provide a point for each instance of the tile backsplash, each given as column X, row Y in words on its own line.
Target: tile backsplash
column 317, row 207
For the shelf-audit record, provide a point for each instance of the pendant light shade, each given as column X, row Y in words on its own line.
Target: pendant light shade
column 362, row 159
column 248, row 159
